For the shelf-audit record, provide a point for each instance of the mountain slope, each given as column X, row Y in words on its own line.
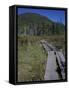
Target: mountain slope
column 36, row 24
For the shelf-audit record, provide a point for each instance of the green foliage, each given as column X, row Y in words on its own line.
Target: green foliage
column 35, row 24
column 31, row 62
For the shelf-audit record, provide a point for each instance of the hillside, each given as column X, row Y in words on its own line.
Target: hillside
column 36, row 24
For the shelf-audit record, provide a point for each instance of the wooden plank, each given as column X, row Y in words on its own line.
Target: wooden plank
column 50, row 71
column 51, row 66
column 61, row 60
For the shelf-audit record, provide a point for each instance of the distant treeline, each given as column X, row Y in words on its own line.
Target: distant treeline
column 35, row 24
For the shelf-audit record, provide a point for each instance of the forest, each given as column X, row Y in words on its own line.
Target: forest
column 35, row 24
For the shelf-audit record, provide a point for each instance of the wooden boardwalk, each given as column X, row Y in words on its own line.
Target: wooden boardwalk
column 55, row 61
column 50, row 72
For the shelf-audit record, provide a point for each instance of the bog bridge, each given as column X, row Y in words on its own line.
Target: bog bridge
column 55, row 66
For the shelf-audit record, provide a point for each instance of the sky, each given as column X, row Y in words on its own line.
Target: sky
column 54, row 15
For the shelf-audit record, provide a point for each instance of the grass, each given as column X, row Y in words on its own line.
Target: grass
column 56, row 40
column 31, row 57
column 31, row 62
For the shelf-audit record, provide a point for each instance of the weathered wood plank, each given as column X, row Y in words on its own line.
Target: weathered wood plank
column 50, row 72
column 51, row 66
column 61, row 61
